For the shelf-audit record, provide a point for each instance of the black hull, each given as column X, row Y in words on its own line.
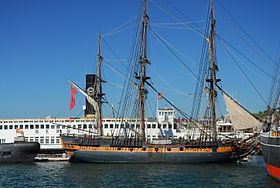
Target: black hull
column 18, row 152
column 149, row 157
column 271, row 154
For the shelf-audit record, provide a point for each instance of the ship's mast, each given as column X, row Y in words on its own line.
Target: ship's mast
column 98, row 87
column 213, row 69
column 143, row 61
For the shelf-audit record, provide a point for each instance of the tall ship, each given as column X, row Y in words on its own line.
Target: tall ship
column 202, row 143
column 270, row 138
column 19, row 150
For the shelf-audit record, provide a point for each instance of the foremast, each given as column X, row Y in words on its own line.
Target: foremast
column 213, row 69
column 142, row 91
column 98, row 87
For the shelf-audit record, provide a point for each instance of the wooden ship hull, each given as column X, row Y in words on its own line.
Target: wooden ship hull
column 134, row 151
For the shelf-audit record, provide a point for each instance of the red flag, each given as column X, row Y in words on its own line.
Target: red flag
column 72, row 101
column 19, row 131
column 160, row 96
column 179, row 120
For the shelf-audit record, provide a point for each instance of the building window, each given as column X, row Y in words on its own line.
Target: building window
column 79, row 126
column 90, row 126
column 42, row 140
column 159, row 126
column 85, row 126
column 16, row 126
column 169, row 126
column 122, row 125
column 21, row 126
column 36, row 131
column 37, row 126
column 57, row 140
column 10, row 126
column 137, row 125
column 47, row 140
column 1, row 126
column 47, row 126
column 111, row 126
column 36, row 139
column 52, row 126
column 26, row 126
column 52, row 140
column 31, row 139
column 42, row 126
column 5, row 126
column 31, row 126
column 154, row 126
column 148, row 126
column 105, row 126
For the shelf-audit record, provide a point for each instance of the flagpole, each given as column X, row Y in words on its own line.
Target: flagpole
column 157, row 109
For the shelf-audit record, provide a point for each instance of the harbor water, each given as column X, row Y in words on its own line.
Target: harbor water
column 64, row 174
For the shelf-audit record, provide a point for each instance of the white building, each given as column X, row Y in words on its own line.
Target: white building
column 47, row 131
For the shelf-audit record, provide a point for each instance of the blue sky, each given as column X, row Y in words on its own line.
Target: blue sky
column 44, row 43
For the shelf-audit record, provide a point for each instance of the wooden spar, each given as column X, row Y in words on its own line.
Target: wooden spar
column 98, row 86
column 213, row 68
column 142, row 77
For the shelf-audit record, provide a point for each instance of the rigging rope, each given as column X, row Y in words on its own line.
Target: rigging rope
column 275, row 83
column 170, row 50
column 180, row 111
column 223, row 40
column 202, row 73
column 177, row 23
column 122, row 62
column 219, row 2
column 246, row 42
column 170, row 87
column 243, row 73
column 176, row 18
column 112, row 32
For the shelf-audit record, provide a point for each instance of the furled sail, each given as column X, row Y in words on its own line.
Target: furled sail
column 240, row 117
column 89, row 98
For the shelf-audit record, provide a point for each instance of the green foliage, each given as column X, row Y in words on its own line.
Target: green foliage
column 264, row 115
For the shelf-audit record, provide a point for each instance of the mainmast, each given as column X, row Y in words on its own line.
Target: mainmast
column 213, row 69
column 142, row 76
column 98, row 87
